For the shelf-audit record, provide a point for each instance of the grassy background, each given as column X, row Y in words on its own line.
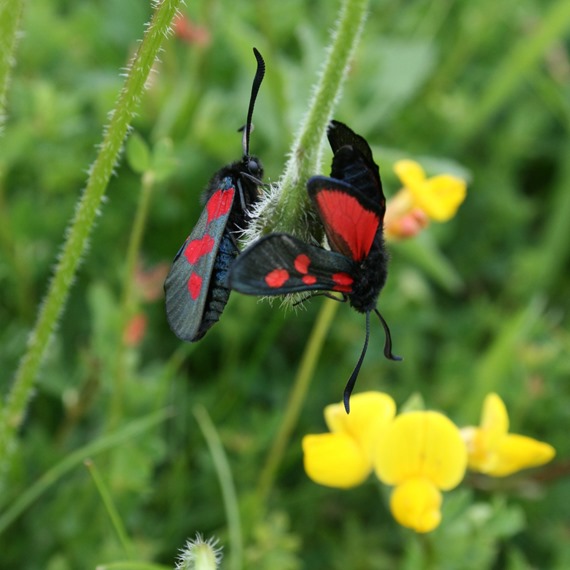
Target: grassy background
column 478, row 304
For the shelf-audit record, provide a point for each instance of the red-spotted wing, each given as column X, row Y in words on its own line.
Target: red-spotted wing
column 280, row 263
column 188, row 282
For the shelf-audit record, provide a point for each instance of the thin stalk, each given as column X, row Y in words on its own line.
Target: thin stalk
column 296, row 398
column 128, row 303
column 223, row 470
column 10, row 14
column 112, row 510
column 291, row 206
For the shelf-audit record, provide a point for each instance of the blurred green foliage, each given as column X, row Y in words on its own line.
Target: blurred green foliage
column 476, row 305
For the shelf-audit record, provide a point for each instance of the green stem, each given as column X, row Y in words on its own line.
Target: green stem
column 305, row 155
column 10, row 14
column 127, row 303
column 112, row 510
column 80, row 228
column 296, row 398
column 226, row 483
column 291, row 207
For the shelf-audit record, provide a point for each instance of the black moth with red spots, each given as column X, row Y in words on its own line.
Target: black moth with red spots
column 351, row 207
column 196, row 287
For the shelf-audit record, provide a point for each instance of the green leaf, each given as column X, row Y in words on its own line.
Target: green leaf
column 164, row 162
column 138, row 153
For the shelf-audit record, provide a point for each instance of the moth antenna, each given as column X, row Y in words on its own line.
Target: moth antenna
column 388, row 343
column 259, row 74
column 241, row 198
column 255, row 180
column 352, row 380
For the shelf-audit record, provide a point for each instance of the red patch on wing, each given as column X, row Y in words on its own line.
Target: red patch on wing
column 349, row 226
column 220, row 203
column 199, row 247
column 343, row 282
column 302, row 263
column 194, row 285
column 309, row 279
column 276, row 278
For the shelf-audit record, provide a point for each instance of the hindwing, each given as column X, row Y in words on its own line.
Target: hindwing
column 279, row 264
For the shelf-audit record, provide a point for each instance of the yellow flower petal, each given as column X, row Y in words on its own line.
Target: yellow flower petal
column 335, row 460
column 416, row 504
column 410, row 173
column 494, row 417
column 440, row 196
column 421, row 444
column 516, row 452
column 482, row 442
column 477, row 449
column 495, row 452
column 370, row 413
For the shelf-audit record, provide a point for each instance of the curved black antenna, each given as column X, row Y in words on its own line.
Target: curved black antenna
column 352, row 380
column 259, row 74
column 388, row 343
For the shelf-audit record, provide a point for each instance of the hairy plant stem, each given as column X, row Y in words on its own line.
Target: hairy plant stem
column 13, row 412
column 286, row 209
column 288, row 214
column 10, row 14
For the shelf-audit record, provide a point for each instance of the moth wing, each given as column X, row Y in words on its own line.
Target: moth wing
column 188, row 282
column 353, row 163
column 279, row 263
column 340, row 135
column 350, row 218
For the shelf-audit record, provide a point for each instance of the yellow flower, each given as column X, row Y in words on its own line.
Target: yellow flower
column 416, row 504
column 420, row 453
column 493, row 451
column 344, row 457
column 438, row 197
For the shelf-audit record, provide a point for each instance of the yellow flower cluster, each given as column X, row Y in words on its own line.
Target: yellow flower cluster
column 419, row 453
